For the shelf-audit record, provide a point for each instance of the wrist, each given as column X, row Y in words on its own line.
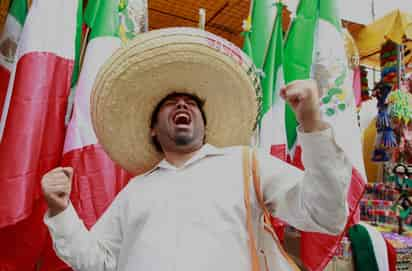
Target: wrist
column 55, row 210
column 313, row 126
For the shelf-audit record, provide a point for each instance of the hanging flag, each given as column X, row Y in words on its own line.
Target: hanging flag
column 272, row 124
column 9, row 39
column 263, row 15
column 34, row 132
column 97, row 179
column 298, row 58
column 35, row 106
column 318, row 26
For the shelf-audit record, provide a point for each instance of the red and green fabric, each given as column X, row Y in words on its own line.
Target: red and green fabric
column 33, row 126
column 9, row 39
column 323, row 57
column 271, row 132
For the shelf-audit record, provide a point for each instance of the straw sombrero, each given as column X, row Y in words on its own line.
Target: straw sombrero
column 136, row 78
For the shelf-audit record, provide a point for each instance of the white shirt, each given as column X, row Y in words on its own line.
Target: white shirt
column 193, row 217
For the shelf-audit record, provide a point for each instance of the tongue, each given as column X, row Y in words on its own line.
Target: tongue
column 182, row 120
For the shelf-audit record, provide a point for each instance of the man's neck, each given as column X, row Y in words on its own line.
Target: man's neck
column 179, row 158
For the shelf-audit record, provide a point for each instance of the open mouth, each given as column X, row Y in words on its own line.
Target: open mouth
column 182, row 118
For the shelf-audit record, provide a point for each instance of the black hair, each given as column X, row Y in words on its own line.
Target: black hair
column 200, row 104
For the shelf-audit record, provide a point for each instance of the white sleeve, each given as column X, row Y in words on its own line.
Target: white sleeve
column 313, row 200
column 97, row 249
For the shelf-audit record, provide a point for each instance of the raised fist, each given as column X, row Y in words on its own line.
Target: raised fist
column 56, row 186
column 303, row 97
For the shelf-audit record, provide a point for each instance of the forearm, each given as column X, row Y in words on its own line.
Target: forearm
column 75, row 245
column 318, row 202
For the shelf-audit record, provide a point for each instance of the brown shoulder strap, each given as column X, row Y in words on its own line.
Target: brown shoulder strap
column 266, row 213
column 246, row 183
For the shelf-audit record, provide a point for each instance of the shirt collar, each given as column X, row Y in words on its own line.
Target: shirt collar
column 206, row 150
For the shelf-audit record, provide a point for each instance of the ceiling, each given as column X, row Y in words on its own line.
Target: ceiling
column 223, row 17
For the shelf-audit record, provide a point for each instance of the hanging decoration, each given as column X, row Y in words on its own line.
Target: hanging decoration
column 365, row 93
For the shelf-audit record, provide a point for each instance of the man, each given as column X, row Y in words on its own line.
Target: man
column 187, row 212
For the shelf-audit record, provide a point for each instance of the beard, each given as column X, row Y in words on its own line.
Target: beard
column 183, row 140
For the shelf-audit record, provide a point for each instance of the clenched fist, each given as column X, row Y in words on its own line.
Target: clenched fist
column 56, row 186
column 303, row 97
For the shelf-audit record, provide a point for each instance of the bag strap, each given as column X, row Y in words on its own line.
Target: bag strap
column 267, row 217
column 246, row 184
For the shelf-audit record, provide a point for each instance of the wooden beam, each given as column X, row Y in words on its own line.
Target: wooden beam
column 4, row 9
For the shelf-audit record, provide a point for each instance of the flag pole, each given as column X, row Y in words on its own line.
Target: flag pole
column 202, row 18
column 83, row 47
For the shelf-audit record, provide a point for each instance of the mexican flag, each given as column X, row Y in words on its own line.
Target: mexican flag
column 272, row 114
column 32, row 120
column 34, row 130
column 317, row 25
column 97, row 179
column 9, row 39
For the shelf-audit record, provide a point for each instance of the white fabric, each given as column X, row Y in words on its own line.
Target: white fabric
column 193, row 217
column 11, row 31
column 55, row 22
column 273, row 122
column 80, row 132
column 379, row 247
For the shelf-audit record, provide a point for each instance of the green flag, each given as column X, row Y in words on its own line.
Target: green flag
column 272, row 124
column 18, row 10
column 272, row 61
column 315, row 48
column 263, row 16
column 299, row 48
column 103, row 18
column 78, row 44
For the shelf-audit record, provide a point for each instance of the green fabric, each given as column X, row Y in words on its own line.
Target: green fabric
column 247, row 45
column 299, row 49
column 362, row 249
column 404, row 213
column 328, row 11
column 78, row 43
column 273, row 62
column 18, row 10
column 263, row 16
column 103, row 18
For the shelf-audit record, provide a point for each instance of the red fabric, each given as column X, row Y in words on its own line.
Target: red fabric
column 280, row 152
column 97, row 180
column 34, row 132
column 279, row 227
column 4, row 82
column 49, row 261
column 357, row 86
column 391, row 256
column 21, row 244
column 318, row 249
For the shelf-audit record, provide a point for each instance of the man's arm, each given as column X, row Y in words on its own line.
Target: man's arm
column 313, row 200
column 97, row 249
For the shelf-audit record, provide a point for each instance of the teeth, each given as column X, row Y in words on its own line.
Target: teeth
column 182, row 115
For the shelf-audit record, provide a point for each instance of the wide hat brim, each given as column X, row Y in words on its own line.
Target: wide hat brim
column 139, row 75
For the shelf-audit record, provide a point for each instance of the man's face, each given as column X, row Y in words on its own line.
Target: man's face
column 179, row 125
